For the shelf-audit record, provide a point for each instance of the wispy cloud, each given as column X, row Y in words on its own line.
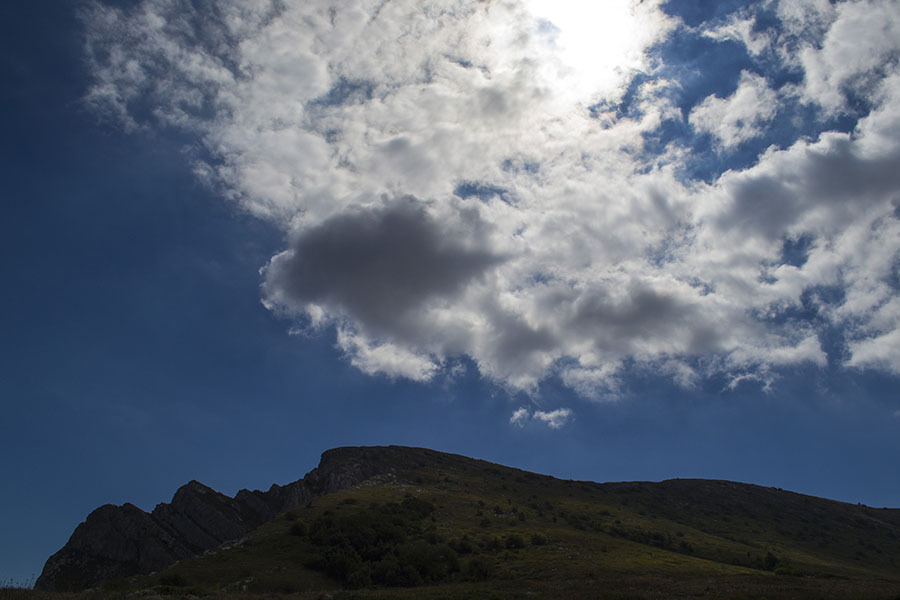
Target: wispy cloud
column 520, row 416
column 441, row 200
column 554, row 419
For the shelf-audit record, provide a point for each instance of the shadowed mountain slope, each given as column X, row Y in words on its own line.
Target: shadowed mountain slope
column 118, row 541
column 395, row 518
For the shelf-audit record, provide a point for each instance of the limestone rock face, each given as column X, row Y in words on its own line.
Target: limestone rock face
column 200, row 517
column 120, row 541
column 113, row 541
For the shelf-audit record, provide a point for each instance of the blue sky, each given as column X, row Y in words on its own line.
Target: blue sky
column 238, row 235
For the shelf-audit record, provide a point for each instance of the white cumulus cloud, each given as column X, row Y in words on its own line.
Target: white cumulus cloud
column 441, row 198
column 741, row 116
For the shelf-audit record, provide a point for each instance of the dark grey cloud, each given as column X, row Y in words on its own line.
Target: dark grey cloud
column 842, row 175
column 643, row 314
column 834, row 175
column 517, row 343
column 379, row 264
column 764, row 204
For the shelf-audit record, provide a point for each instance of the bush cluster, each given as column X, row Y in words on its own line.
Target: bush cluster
column 384, row 545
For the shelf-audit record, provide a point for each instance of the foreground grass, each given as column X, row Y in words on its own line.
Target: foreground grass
column 631, row 588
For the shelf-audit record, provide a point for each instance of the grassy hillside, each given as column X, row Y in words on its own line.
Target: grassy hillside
column 461, row 528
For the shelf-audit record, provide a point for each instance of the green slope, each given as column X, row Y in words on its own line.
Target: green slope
column 452, row 527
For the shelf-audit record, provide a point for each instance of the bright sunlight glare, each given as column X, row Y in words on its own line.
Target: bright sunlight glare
column 593, row 46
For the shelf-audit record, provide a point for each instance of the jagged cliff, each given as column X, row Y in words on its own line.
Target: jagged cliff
column 488, row 527
column 120, row 541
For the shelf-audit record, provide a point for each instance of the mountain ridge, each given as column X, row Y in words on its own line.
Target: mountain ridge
column 119, row 541
column 731, row 523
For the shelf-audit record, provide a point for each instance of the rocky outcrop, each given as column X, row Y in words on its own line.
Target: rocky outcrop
column 120, row 541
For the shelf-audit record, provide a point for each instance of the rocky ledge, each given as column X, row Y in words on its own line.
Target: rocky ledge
column 120, row 541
